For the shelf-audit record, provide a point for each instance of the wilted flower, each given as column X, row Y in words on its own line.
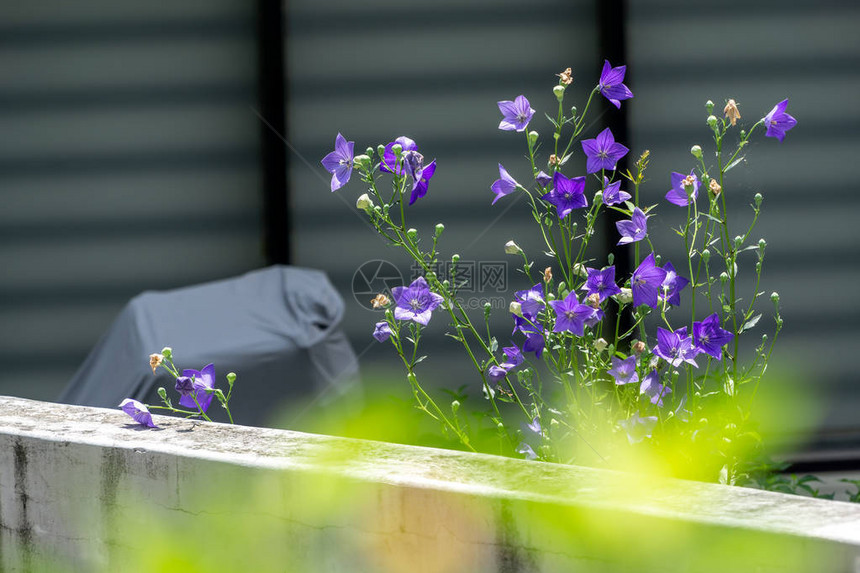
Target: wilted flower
column 138, row 411
column 155, row 361
column 732, row 112
column 603, row 152
column 566, row 76
column 715, row 187
column 380, row 301
column 517, row 114
column 339, row 162
column 638, row 347
column 553, row 159
column 778, row 122
column 547, row 274
column 611, row 85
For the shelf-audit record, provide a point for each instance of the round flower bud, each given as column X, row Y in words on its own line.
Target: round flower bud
column 167, row 352
column 625, row 296
column 162, row 393
column 758, row 198
column 398, row 149
column 362, row 160
column 455, row 405
column 439, row 228
column 231, row 377
column 724, row 278
column 598, row 198
column 573, row 111
column 739, row 241
column 559, row 92
column 706, row 255
column 774, row 297
column 533, row 137
column 516, row 309
column 696, row 151
column 709, row 106
column 455, row 258
column 712, row 120
column 364, row 202
column 551, row 296
column 412, row 233
column 762, row 244
column 369, row 152
column 600, row 344
column 511, row 248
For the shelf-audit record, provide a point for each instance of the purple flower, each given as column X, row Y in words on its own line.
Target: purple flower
column 531, row 301
column 496, row 373
column 389, row 160
column 534, row 426
column 382, row 331
column 567, row 194
column 675, row 347
column 778, row 122
column 601, row 283
column 339, row 162
column 678, row 195
column 504, row 185
column 411, row 163
column 672, row 285
column 415, row 302
column 603, row 152
column 624, row 371
column 633, row 230
column 543, row 179
column 638, row 428
column 185, row 385
column 527, row 451
column 138, row 411
column 202, row 379
column 709, row 338
column 534, row 335
column 611, row 85
column 647, row 278
column 517, row 114
column 514, row 355
column 652, row 387
column 570, row 314
column 612, row 193
column 420, row 180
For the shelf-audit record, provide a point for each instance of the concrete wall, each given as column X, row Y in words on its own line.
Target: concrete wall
column 82, row 489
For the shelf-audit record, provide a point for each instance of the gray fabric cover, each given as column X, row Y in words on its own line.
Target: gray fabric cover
column 278, row 328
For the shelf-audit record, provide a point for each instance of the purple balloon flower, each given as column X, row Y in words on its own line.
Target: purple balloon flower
column 517, row 114
column 389, row 159
column 534, row 335
column 612, row 193
column 778, row 122
column 504, row 185
column 185, row 385
column 603, row 152
column 415, row 302
column 647, row 279
column 709, row 338
column 496, row 373
column 514, row 355
column 567, row 194
column 601, row 283
column 678, row 194
column 201, row 379
column 624, row 371
column 381, row 331
column 339, row 162
column 531, row 301
column 652, row 387
column 543, row 179
column 138, row 411
column 673, row 284
column 571, row 315
column 411, row 163
column 633, row 230
column 638, row 428
column 611, row 85
column 527, row 451
column 675, row 347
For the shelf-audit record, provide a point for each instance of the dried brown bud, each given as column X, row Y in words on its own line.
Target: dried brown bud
column 155, row 361
column 566, row 76
column 547, row 274
column 715, row 187
column 732, row 112
column 593, row 300
column 553, row 159
column 380, row 301
column 638, row 347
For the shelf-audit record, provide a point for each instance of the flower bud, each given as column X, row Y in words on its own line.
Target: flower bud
column 580, row 269
column 162, row 393
column 724, row 278
column 559, row 92
column 167, row 352
column 380, row 150
column 758, row 198
column 455, row 258
column 712, row 120
column 625, row 296
column 533, row 137
column 573, row 111
column 739, row 241
column 598, row 198
column 369, row 152
column 706, row 255
column 412, row 233
column 516, row 309
column 762, row 244
column 397, row 149
column 638, row 347
column 774, row 298
column 362, row 160
column 439, row 228
column 231, row 377
column 455, row 405
column 709, row 107
column 696, row 151
column 511, row 248
column 365, row 203
column 551, row 296
column 758, row 267
column 600, row 344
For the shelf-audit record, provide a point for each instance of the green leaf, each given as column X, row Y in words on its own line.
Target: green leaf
column 494, row 344
column 734, row 163
column 750, row 323
column 729, row 386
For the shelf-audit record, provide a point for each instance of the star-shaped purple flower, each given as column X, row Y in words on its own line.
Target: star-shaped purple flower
column 675, row 347
column 612, row 193
column 138, row 411
column 570, row 314
column 633, row 230
column 201, row 380
column 603, row 152
column 672, row 285
column 517, row 114
column 646, row 280
column 381, row 331
column 415, row 302
column 624, row 371
column 778, row 122
column 504, row 185
column 709, row 338
column 611, row 85
column 567, row 194
column 652, row 387
column 601, row 282
column 681, row 184
column 531, row 301
column 339, row 162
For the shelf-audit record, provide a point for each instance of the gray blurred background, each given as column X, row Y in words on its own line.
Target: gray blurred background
column 137, row 152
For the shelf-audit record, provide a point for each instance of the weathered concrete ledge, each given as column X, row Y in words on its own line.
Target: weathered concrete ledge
column 82, row 489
